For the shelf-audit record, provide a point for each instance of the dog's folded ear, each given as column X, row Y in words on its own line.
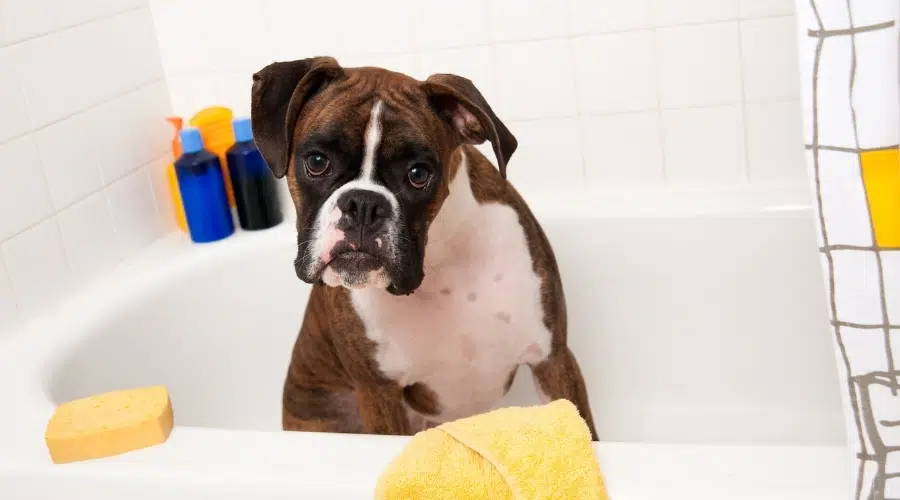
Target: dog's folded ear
column 460, row 104
column 279, row 92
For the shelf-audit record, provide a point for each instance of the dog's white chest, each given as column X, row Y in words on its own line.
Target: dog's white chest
column 475, row 318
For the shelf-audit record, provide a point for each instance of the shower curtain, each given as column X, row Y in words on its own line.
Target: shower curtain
column 849, row 51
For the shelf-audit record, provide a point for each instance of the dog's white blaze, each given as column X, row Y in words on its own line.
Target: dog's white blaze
column 366, row 181
column 372, row 140
column 475, row 318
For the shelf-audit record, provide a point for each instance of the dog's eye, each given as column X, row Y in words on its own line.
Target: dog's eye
column 418, row 176
column 317, row 164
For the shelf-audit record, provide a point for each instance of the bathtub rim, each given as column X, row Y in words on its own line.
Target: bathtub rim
column 45, row 340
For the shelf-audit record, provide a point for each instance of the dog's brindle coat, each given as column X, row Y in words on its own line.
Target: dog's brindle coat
column 362, row 363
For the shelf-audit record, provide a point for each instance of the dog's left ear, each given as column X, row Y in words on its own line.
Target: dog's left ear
column 462, row 106
column 279, row 92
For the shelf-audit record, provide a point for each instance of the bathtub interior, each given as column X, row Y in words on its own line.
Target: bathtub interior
column 700, row 329
column 219, row 338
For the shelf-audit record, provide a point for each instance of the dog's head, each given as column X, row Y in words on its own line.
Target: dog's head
column 367, row 155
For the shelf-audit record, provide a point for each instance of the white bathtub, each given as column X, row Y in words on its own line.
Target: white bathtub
column 698, row 321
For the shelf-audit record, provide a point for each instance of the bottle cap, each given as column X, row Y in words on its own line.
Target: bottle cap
column 243, row 132
column 191, row 141
column 178, row 123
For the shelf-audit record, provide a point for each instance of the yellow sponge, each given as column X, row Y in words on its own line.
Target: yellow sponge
column 109, row 424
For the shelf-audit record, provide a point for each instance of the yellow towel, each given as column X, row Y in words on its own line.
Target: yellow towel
column 533, row 453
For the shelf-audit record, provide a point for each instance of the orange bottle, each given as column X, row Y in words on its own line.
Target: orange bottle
column 215, row 128
column 174, row 191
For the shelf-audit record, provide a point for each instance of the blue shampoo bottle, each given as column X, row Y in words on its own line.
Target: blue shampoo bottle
column 202, row 187
column 255, row 188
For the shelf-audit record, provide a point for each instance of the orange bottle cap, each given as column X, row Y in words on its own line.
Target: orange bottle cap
column 177, row 122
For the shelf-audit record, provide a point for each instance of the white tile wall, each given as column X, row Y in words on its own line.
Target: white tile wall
column 476, row 63
column 84, row 104
column 88, row 227
column 513, row 20
column 759, row 8
column 465, row 23
column 284, row 40
column 535, row 79
column 37, row 266
column 136, row 218
column 196, row 91
column 615, row 73
column 22, row 20
column 537, row 168
column 668, row 13
column 16, row 121
column 775, row 141
column 601, row 16
column 91, row 67
column 25, row 200
column 375, row 27
column 623, row 150
column 699, row 65
column 770, row 73
column 70, row 162
column 9, row 316
column 603, row 94
column 704, row 145
column 641, row 81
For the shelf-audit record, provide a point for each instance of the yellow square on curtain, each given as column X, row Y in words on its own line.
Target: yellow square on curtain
column 881, row 176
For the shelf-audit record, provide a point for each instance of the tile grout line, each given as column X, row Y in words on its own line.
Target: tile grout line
column 660, row 126
column 495, row 82
column 5, row 267
column 157, row 204
column 62, row 29
column 573, row 71
column 168, row 154
column 112, row 221
column 744, row 129
column 167, row 75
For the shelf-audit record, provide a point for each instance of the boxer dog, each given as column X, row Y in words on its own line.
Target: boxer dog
column 432, row 280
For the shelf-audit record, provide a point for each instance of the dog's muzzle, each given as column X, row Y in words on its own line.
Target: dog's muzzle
column 353, row 241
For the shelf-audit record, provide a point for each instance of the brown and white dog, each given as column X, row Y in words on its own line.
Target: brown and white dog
column 432, row 280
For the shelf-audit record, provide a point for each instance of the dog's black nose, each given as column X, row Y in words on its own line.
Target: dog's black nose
column 364, row 209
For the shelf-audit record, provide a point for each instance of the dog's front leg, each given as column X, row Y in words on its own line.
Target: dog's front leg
column 381, row 409
column 558, row 377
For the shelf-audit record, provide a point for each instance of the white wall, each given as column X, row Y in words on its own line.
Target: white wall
column 603, row 94
column 82, row 138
